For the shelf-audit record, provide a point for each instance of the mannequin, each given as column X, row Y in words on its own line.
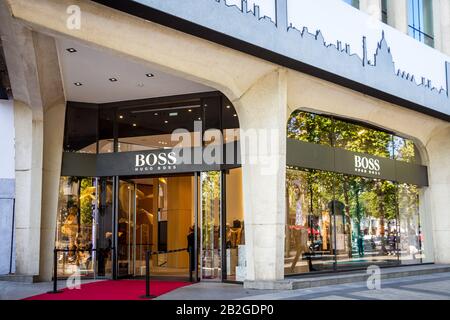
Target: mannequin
column 299, row 218
column 300, row 229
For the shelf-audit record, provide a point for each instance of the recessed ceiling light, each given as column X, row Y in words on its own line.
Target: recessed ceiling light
column 113, row 79
column 173, row 114
column 121, row 117
column 228, row 107
column 166, row 121
column 156, row 113
column 235, row 115
column 134, row 124
column 71, row 50
column 199, row 118
column 190, row 110
column 149, row 75
column 78, row 84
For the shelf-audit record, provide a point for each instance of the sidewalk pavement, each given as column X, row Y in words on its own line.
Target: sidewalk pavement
column 19, row 290
column 424, row 287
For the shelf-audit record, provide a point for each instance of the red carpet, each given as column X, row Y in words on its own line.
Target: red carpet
column 113, row 290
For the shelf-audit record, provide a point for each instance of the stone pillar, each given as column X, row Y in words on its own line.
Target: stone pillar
column 7, row 186
column 29, row 137
column 262, row 114
column 397, row 12
column 54, row 106
column 371, row 7
column 441, row 25
column 51, row 172
column 438, row 149
column 39, row 107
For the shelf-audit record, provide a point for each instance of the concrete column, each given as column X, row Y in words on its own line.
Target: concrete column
column 397, row 11
column 54, row 106
column 262, row 114
column 438, row 149
column 39, row 107
column 29, row 138
column 441, row 25
column 7, row 186
column 371, row 7
column 51, row 172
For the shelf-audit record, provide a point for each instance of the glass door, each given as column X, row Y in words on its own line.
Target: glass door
column 210, row 231
column 126, row 232
column 104, row 228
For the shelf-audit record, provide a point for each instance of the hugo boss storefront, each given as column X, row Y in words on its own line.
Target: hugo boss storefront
column 148, row 175
column 163, row 174
column 354, row 197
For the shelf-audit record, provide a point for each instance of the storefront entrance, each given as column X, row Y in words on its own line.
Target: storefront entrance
column 167, row 214
column 155, row 214
column 111, row 222
column 130, row 185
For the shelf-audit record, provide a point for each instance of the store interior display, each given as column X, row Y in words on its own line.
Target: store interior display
column 234, row 240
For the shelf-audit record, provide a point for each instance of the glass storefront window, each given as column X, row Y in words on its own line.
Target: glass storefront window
column 84, row 227
column 350, row 221
column 313, row 128
column 103, row 230
column 309, row 238
column 149, row 128
column 149, row 124
column 354, row 137
column 231, row 134
column 126, row 228
column 230, row 121
column 405, row 150
column 106, row 130
column 210, row 237
column 370, row 228
column 338, row 221
column 234, row 230
column 411, row 240
column 211, row 116
column 80, row 133
column 310, row 127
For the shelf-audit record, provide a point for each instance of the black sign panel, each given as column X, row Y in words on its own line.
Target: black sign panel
column 164, row 161
column 79, row 164
column 314, row 156
column 299, row 154
column 157, row 162
column 309, row 155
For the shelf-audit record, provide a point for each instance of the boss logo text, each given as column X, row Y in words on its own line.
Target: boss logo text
column 367, row 165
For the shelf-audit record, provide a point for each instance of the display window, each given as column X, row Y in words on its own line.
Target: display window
column 235, row 256
column 84, row 227
column 339, row 221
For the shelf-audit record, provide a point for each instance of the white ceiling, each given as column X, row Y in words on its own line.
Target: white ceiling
column 94, row 68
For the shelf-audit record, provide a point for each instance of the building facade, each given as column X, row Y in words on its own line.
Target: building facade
column 272, row 138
